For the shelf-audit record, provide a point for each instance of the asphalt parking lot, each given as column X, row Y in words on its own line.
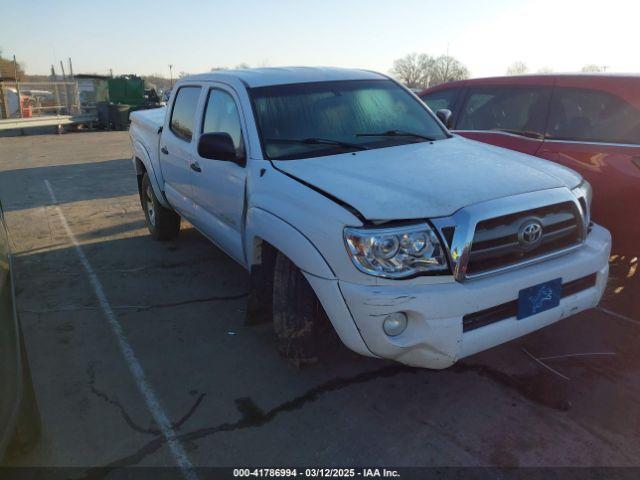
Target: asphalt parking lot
column 566, row 395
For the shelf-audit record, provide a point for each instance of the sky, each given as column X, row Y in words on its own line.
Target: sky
column 144, row 37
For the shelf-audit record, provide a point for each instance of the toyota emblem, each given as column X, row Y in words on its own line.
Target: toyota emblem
column 530, row 234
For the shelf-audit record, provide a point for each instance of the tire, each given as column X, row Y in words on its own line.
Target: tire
column 29, row 424
column 304, row 332
column 163, row 224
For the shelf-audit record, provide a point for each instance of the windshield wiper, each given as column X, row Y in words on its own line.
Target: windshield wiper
column 396, row 133
column 524, row 133
column 317, row 141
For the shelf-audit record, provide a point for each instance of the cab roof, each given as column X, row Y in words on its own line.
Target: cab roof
column 263, row 77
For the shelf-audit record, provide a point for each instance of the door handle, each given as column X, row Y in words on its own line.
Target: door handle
column 195, row 167
column 164, row 150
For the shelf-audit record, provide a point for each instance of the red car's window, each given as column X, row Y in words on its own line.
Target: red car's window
column 441, row 99
column 514, row 109
column 591, row 115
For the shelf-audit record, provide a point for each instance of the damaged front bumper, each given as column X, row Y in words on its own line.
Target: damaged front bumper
column 435, row 337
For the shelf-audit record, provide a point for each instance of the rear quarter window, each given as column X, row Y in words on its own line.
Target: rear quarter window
column 592, row 116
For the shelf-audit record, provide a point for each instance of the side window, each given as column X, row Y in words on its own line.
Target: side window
column 519, row 110
column 183, row 116
column 442, row 99
column 221, row 115
column 591, row 115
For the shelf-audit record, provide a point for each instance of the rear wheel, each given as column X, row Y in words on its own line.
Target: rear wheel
column 163, row 224
column 302, row 327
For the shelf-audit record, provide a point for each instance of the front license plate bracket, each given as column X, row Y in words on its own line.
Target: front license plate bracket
column 539, row 298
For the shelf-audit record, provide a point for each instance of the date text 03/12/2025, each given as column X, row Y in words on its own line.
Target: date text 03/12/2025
column 315, row 473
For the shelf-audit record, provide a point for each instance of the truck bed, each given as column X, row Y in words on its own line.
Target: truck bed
column 145, row 137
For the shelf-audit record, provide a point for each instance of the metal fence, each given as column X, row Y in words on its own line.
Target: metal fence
column 39, row 99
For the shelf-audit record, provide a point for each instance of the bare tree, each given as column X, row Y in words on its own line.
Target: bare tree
column 545, row 70
column 592, row 68
column 446, row 69
column 422, row 70
column 517, row 68
column 413, row 70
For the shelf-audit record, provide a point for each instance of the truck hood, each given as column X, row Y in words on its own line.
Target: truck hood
column 426, row 180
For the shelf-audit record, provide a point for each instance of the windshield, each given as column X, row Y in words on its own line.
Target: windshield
column 316, row 119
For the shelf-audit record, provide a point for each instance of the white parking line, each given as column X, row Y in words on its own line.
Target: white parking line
column 617, row 315
column 129, row 355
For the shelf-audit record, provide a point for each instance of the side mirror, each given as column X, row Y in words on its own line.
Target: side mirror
column 217, row 146
column 444, row 115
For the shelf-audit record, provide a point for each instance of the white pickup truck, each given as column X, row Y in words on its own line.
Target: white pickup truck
column 351, row 205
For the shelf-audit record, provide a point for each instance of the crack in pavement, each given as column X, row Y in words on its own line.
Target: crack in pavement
column 198, row 300
column 125, row 415
column 73, row 308
column 252, row 416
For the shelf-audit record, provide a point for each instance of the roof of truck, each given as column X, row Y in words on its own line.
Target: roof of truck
column 263, row 77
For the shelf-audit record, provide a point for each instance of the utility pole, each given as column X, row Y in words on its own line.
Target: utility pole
column 171, row 74
column 15, row 75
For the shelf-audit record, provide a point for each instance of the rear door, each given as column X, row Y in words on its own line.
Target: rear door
column 177, row 147
column 597, row 133
column 509, row 116
column 218, row 185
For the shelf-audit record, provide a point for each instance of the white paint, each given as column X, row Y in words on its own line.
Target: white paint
column 424, row 180
column 571, row 355
column 542, row 364
column 617, row 315
column 129, row 355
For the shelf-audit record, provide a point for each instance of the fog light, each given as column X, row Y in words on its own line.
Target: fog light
column 395, row 324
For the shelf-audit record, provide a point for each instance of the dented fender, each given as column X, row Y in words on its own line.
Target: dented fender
column 263, row 225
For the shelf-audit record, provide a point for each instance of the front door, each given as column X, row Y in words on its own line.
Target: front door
column 598, row 135
column 219, row 185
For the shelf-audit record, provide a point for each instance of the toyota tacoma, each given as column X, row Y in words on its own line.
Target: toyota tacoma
column 355, row 210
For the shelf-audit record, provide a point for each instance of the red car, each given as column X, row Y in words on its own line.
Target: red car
column 590, row 123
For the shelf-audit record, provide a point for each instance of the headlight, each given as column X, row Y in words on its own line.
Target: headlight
column 584, row 194
column 395, row 252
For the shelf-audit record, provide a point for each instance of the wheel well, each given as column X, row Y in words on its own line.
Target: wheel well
column 259, row 304
column 140, row 171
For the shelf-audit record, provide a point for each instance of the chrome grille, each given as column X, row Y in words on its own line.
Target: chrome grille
column 496, row 242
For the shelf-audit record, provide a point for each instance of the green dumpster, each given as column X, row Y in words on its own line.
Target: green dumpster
column 119, row 115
